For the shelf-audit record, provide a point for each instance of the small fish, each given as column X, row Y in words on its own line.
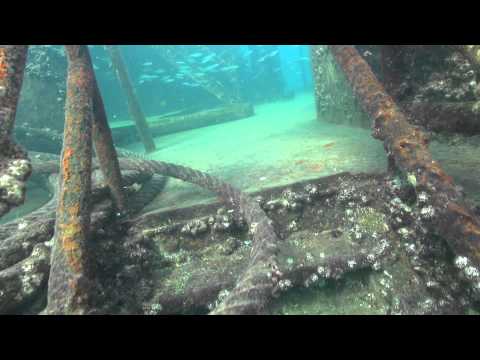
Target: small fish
column 207, row 58
column 211, row 67
column 196, row 55
column 229, row 68
column 147, row 64
column 273, row 53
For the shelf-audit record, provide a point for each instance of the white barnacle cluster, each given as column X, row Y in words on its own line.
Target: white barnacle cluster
column 309, row 257
column 422, row 197
column 13, row 189
column 293, row 226
column 194, row 227
column 29, row 280
column 22, row 225
column 403, row 232
column 471, row 272
column 311, row 280
column 427, row 305
column 153, row 309
column 324, row 271
column 427, row 212
column 371, row 258
column 386, row 284
column 49, row 243
column 284, row 284
column 136, row 187
column 346, row 193
column 253, row 228
column 410, row 248
column 311, row 189
column 382, row 246
column 461, row 262
column 351, row 264
column 19, row 168
column 222, row 220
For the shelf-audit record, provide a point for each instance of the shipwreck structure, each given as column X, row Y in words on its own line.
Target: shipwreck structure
column 409, row 234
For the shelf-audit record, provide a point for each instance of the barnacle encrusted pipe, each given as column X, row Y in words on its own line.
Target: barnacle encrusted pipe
column 15, row 166
column 105, row 149
column 448, row 215
column 69, row 285
column 133, row 104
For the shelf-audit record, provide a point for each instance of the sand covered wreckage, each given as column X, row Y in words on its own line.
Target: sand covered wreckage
column 403, row 242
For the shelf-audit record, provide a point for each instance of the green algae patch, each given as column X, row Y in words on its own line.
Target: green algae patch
column 352, row 296
column 371, row 221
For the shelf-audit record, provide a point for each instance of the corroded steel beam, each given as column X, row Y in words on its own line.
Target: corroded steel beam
column 15, row 166
column 133, row 104
column 446, row 213
column 315, row 59
column 105, row 149
column 69, row 285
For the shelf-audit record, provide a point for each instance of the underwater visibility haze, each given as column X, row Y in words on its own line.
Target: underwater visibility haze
column 240, row 179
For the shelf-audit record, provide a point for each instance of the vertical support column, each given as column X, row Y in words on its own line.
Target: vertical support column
column 69, row 285
column 133, row 104
column 302, row 67
column 105, row 150
column 317, row 89
column 15, row 166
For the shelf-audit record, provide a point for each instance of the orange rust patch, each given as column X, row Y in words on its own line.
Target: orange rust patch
column 329, row 145
column 459, row 210
column 437, row 170
column 70, row 235
column 67, row 156
column 466, row 220
column 73, row 211
column 3, row 64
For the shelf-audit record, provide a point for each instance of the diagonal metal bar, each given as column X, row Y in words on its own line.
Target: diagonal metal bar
column 446, row 212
